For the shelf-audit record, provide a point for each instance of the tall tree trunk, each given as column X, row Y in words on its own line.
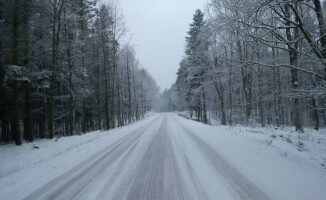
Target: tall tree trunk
column 53, row 70
column 223, row 116
column 276, row 83
column 82, row 39
column 84, row 116
column 56, row 25
column 71, row 88
column 112, row 102
column 276, row 93
column 260, row 98
column 315, row 114
column 16, row 126
column 322, row 30
column 129, row 90
column 220, row 93
column 315, row 107
column 15, row 106
column 119, row 104
column 28, row 123
column 54, row 60
column 106, row 99
column 96, row 59
column 114, row 77
column 136, row 97
column 204, row 108
column 230, row 88
column 246, row 86
column 46, row 116
column 293, row 54
column 260, row 88
column 246, row 73
column 276, row 97
column 279, row 99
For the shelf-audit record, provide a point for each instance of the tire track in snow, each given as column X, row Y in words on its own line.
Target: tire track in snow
column 180, row 151
column 126, row 161
column 73, row 181
column 83, row 191
column 243, row 188
column 164, row 170
column 195, row 181
column 157, row 175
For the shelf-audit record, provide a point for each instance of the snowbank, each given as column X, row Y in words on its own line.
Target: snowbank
column 16, row 158
column 271, row 157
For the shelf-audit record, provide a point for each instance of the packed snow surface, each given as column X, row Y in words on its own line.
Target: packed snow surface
column 166, row 156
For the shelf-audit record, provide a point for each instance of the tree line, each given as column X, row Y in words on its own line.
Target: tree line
column 67, row 68
column 255, row 61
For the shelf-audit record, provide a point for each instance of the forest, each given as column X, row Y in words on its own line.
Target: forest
column 163, row 100
column 254, row 62
column 67, row 67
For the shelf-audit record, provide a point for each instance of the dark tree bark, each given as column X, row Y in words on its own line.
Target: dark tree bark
column 293, row 54
column 322, row 30
column 71, row 88
column 246, row 86
column 28, row 123
column 315, row 107
column 230, row 89
column 260, row 98
column 56, row 26
column 82, row 24
column 15, row 106
column 220, row 93
column 205, row 121
column 315, row 114
column 129, row 90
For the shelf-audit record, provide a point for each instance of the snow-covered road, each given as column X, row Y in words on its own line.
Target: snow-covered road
column 164, row 157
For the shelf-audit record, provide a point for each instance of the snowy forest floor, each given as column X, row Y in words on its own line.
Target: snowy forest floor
column 197, row 161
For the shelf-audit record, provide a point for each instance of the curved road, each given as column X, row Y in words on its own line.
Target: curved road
column 161, row 160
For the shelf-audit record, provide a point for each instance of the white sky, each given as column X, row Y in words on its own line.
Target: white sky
column 159, row 29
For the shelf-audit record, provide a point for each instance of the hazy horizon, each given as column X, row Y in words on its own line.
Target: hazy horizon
column 159, row 29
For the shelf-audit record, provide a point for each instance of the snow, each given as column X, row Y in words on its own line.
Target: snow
column 188, row 159
column 278, row 168
column 22, row 166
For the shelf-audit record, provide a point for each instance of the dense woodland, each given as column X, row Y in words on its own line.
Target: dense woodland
column 254, row 61
column 66, row 67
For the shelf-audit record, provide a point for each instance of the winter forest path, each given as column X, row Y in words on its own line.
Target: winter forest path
column 160, row 160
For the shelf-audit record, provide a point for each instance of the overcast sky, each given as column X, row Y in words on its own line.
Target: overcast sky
column 159, row 28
